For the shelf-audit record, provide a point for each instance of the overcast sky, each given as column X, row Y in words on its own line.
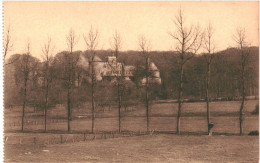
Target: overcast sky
column 35, row 21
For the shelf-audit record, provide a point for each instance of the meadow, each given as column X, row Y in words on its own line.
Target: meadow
column 224, row 115
column 133, row 144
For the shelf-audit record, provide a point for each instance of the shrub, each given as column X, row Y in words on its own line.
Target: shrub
column 256, row 111
column 253, row 133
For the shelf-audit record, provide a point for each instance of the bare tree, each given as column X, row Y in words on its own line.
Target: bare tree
column 145, row 46
column 116, row 45
column 47, row 57
column 240, row 39
column 71, row 63
column 7, row 41
column 26, row 76
column 92, row 41
column 188, row 39
column 8, row 45
column 28, row 65
column 209, row 47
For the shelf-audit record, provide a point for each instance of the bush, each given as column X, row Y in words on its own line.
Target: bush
column 256, row 111
column 252, row 133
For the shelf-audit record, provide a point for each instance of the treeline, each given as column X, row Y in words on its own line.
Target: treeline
column 225, row 76
column 58, row 76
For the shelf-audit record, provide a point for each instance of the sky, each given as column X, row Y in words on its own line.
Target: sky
column 36, row 21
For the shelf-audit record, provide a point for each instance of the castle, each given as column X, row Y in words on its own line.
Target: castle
column 111, row 68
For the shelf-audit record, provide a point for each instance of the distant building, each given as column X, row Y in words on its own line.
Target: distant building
column 155, row 74
column 111, row 68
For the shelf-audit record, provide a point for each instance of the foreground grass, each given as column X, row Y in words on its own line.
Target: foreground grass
column 150, row 148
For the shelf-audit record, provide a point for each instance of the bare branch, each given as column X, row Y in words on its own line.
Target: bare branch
column 208, row 43
column 175, row 37
column 194, row 42
column 72, row 40
column 7, row 42
column 28, row 48
column 47, row 50
column 144, row 45
column 188, row 58
column 14, row 60
column 189, row 39
column 92, row 39
column 240, row 37
column 116, row 44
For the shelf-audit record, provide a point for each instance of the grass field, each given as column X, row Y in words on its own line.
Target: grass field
column 191, row 146
column 163, row 118
column 149, row 148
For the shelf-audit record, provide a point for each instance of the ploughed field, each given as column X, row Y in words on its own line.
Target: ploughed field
column 224, row 115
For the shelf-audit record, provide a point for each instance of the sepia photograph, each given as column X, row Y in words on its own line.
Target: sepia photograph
column 122, row 81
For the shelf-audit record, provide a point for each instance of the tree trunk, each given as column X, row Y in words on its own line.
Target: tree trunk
column 24, row 100
column 120, row 96
column 78, row 81
column 207, row 95
column 46, row 106
column 179, row 99
column 46, row 98
column 119, row 108
column 243, row 101
column 69, row 102
column 69, row 98
column 146, row 97
column 93, row 96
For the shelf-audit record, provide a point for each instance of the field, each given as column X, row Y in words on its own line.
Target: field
column 152, row 148
column 163, row 118
column 193, row 145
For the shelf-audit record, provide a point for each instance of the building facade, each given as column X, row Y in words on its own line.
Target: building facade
column 111, row 69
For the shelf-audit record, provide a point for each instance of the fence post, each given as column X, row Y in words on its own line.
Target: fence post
column 66, row 139
column 6, row 138
column 61, row 139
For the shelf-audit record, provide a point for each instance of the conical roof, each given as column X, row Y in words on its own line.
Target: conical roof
column 83, row 62
column 152, row 66
column 96, row 58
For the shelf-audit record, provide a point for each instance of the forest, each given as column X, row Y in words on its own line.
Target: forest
column 225, row 77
